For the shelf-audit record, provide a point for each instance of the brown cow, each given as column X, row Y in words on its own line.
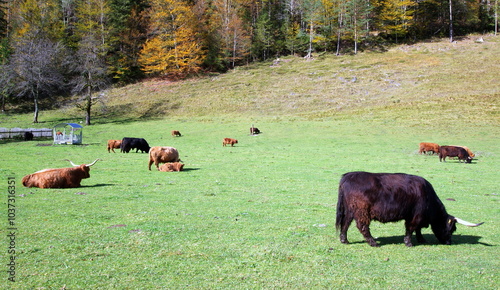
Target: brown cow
column 176, row 133
column 425, row 147
column 58, row 177
column 466, row 149
column 454, row 151
column 229, row 141
column 171, row 167
column 114, row 144
column 160, row 154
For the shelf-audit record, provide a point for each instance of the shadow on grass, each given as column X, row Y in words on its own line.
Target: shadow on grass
column 97, row 185
column 431, row 240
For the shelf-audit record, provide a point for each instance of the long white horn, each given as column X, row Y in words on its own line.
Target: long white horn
column 72, row 162
column 466, row 223
column 88, row 165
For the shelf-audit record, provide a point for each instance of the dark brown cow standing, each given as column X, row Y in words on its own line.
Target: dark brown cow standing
column 391, row 197
column 454, row 151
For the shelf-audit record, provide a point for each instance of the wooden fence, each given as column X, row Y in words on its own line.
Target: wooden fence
column 18, row 133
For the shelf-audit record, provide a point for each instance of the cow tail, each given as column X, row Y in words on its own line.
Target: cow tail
column 340, row 209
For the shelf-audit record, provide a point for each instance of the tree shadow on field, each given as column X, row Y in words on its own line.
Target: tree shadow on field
column 431, row 240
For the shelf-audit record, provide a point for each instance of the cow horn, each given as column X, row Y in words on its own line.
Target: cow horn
column 88, row 165
column 71, row 162
column 466, row 223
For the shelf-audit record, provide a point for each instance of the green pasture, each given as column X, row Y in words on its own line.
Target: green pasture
column 261, row 215
column 258, row 215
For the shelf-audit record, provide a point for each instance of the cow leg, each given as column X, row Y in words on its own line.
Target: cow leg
column 364, row 228
column 343, row 230
column 410, row 228
column 420, row 238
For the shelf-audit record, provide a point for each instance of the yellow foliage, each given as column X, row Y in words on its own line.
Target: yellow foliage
column 174, row 48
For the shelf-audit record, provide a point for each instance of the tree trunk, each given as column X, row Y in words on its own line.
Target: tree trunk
column 88, row 103
column 35, row 115
column 451, row 22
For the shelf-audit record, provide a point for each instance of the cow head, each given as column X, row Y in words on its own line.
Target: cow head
column 444, row 234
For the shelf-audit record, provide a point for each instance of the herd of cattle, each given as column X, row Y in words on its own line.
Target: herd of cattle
column 362, row 196
column 462, row 152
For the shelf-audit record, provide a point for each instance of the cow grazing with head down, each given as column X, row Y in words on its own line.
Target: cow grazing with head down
column 134, row 143
column 58, row 177
column 229, row 141
column 254, row 131
column 391, row 197
column 171, row 167
column 454, row 151
column 161, row 154
column 176, row 133
column 114, row 144
column 425, row 147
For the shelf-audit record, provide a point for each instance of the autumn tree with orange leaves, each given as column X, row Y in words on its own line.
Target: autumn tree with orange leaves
column 173, row 48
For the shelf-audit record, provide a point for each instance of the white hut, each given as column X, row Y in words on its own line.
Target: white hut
column 68, row 133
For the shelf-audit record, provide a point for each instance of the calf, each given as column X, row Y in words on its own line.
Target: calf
column 114, row 144
column 454, row 151
column 229, row 141
column 171, row 167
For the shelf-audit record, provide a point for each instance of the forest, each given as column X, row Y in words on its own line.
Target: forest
column 81, row 47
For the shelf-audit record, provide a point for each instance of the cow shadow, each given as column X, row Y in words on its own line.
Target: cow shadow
column 431, row 240
column 190, row 169
column 97, row 185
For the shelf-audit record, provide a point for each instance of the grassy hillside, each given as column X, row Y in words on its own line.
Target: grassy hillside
column 261, row 214
column 458, row 80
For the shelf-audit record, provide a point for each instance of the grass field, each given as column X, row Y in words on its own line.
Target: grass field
column 262, row 214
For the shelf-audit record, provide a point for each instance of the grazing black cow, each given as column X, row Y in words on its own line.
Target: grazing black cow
column 254, row 131
column 28, row 136
column 391, row 197
column 454, row 151
column 134, row 143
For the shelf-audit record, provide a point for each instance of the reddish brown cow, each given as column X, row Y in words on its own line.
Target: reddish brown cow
column 171, row 167
column 176, row 133
column 58, row 177
column 160, row 154
column 229, row 141
column 114, row 144
column 425, row 147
